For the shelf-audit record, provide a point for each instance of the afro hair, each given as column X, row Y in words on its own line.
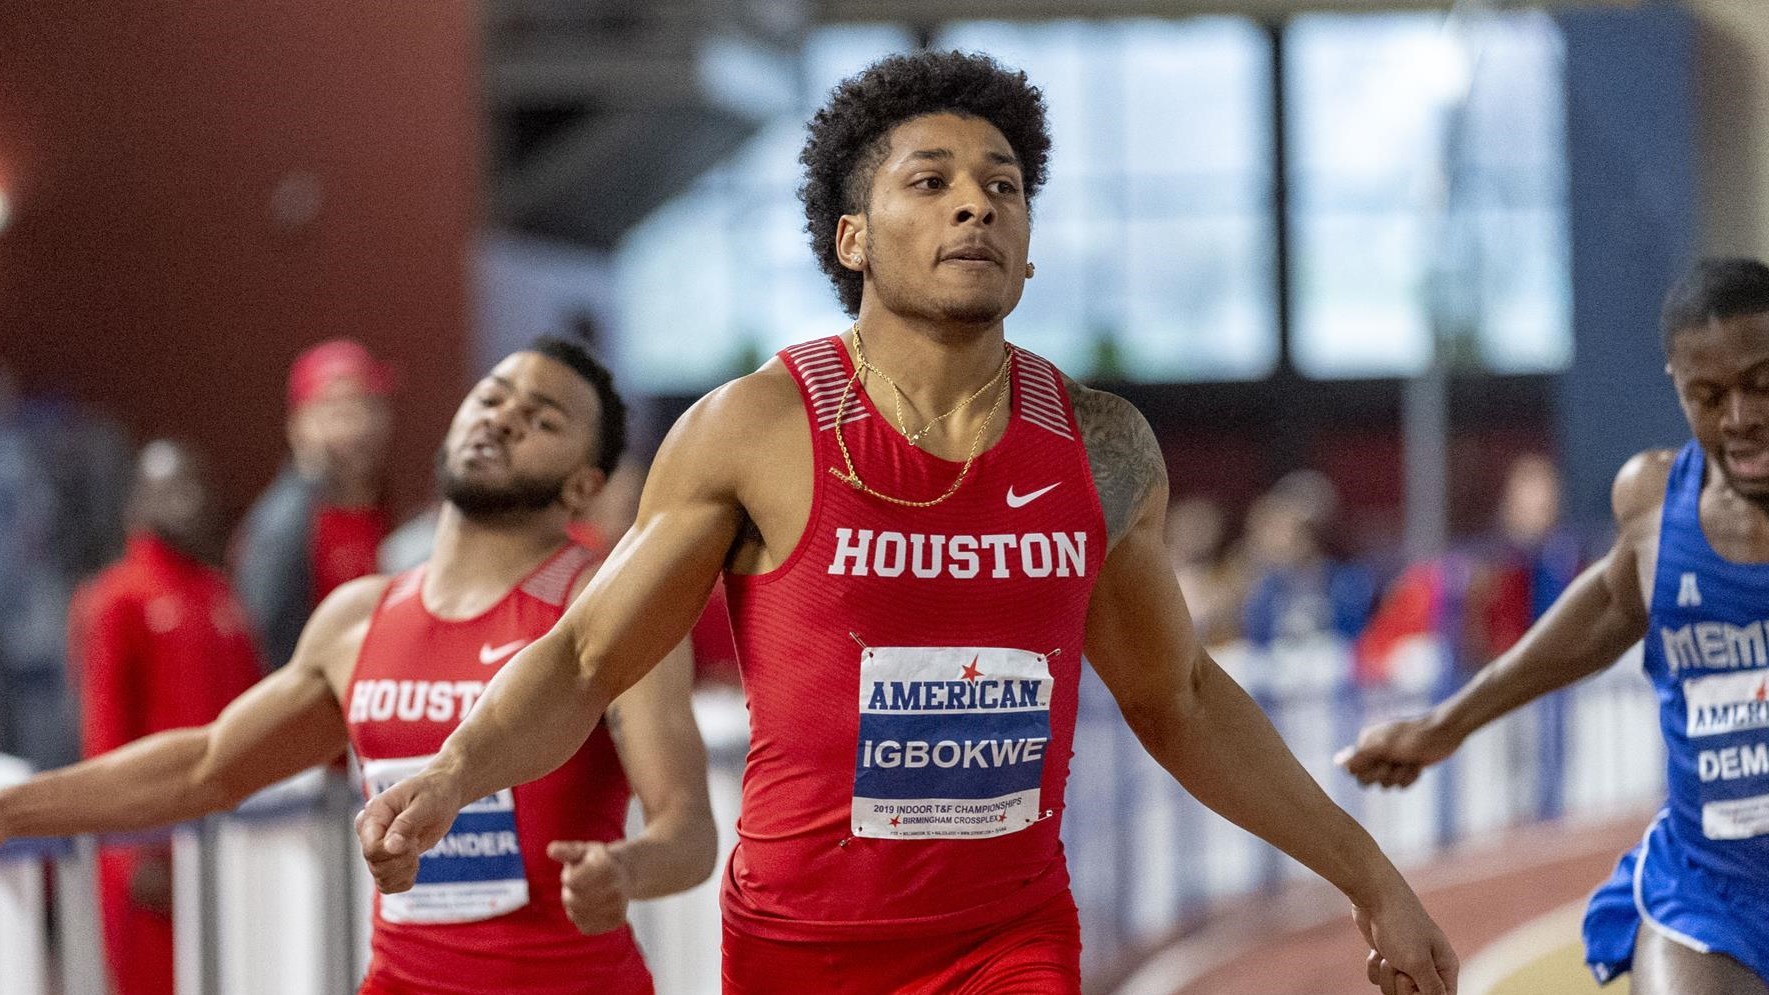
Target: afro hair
column 849, row 135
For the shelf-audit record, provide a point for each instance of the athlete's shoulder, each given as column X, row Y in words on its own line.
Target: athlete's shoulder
column 1121, row 450
column 746, row 401
column 769, row 391
column 338, row 626
column 1639, row 488
column 731, row 419
column 354, row 598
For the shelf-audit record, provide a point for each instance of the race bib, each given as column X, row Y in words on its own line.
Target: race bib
column 1738, row 819
column 952, row 741
column 1727, row 703
column 474, row 873
column 1718, row 706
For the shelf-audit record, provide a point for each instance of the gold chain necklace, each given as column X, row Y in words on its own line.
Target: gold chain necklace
column 852, row 477
column 862, row 364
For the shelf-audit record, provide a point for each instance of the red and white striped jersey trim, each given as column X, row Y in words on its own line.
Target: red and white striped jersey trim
column 552, row 583
column 404, row 586
column 826, row 379
column 1041, row 400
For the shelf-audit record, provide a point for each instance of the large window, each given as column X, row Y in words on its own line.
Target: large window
column 1411, row 151
column 1155, row 230
column 1426, row 192
column 723, row 276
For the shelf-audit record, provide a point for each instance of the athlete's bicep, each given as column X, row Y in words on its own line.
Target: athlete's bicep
column 648, row 594
column 282, row 725
column 1623, row 601
column 1140, row 637
column 292, row 719
column 1637, row 500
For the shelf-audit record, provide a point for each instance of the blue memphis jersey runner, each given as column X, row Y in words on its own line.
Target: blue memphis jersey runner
column 1707, row 654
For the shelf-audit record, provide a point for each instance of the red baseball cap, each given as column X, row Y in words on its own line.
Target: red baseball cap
column 336, row 359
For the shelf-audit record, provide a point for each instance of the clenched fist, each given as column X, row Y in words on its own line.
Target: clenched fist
column 1393, row 754
column 398, row 825
column 594, row 882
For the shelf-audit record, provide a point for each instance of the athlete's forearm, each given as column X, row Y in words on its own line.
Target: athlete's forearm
column 1221, row 747
column 152, row 782
column 1583, row 633
column 545, row 702
column 533, row 716
column 665, row 762
column 675, row 852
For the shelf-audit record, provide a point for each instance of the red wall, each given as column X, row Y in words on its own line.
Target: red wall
column 145, row 271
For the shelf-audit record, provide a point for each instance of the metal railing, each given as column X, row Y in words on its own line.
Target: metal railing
column 1147, row 859
column 272, row 899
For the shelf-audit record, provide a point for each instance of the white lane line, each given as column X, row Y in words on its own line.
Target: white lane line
column 1501, row 959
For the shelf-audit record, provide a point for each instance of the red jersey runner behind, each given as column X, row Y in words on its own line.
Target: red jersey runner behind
column 913, row 676
column 486, row 914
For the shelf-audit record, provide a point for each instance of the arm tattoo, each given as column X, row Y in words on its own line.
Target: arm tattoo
column 1121, row 448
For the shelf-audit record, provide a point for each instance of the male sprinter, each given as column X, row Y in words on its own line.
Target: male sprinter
column 923, row 529
column 391, row 665
column 1688, row 908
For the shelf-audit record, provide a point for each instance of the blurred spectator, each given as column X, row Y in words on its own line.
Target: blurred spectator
column 159, row 642
column 1479, row 599
column 321, row 521
column 1530, row 558
column 1214, row 584
column 1301, row 591
column 62, row 477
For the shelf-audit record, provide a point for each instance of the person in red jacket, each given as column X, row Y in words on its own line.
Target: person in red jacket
column 158, row 642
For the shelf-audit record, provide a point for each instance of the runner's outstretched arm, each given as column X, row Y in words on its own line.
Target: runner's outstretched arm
column 1599, row 616
column 284, row 724
column 1203, row 728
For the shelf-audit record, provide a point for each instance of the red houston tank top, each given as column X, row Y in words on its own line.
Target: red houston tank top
column 912, row 674
column 486, row 913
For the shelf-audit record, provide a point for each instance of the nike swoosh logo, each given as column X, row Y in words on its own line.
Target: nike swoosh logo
column 489, row 654
column 1021, row 500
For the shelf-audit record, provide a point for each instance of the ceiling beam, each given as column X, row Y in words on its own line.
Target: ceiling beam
column 600, row 74
column 551, row 171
